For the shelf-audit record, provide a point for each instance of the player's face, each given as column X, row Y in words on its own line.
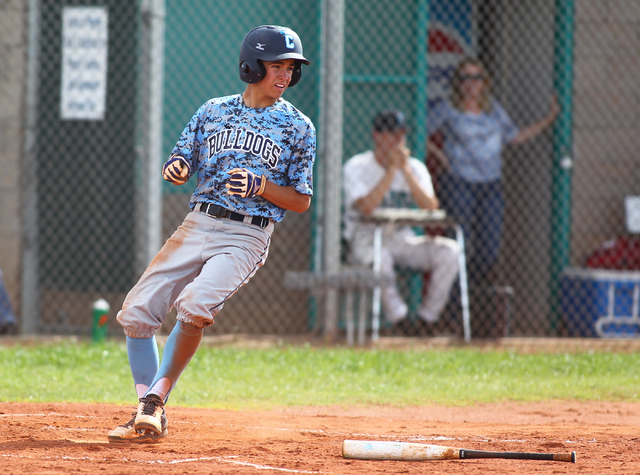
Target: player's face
column 277, row 78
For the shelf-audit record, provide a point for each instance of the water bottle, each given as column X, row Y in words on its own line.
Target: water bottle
column 100, row 318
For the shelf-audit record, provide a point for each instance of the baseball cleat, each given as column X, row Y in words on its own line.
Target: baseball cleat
column 126, row 432
column 149, row 416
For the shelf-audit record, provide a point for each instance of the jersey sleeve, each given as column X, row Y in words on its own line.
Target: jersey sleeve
column 190, row 141
column 300, row 171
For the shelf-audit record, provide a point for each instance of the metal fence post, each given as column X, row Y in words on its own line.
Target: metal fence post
column 149, row 222
column 563, row 154
column 30, row 307
column 333, row 61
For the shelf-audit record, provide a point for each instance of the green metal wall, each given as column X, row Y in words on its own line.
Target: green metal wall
column 86, row 192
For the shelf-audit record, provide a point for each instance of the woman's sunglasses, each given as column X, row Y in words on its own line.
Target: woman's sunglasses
column 472, row 77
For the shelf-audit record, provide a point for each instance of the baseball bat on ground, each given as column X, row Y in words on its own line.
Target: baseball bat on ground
column 380, row 450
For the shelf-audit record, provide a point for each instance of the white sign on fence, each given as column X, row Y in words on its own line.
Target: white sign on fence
column 84, row 63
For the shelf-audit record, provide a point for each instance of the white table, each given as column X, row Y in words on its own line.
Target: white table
column 384, row 217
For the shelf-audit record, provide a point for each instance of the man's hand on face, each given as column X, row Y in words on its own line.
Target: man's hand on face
column 398, row 156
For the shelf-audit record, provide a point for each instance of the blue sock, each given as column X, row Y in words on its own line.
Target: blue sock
column 143, row 359
column 180, row 348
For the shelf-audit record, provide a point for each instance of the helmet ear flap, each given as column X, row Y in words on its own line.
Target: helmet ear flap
column 252, row 73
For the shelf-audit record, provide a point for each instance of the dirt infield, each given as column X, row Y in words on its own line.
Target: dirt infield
column 71, row 438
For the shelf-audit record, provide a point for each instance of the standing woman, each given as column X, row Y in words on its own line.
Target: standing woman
column 475, row 128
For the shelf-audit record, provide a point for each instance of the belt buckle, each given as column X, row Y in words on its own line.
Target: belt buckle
column 219, row 213
column 209, row 212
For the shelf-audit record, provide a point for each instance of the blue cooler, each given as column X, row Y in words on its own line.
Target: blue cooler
column 601, row 303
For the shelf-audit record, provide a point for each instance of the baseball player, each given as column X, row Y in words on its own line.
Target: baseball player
column 253, row 154
column 388, row 176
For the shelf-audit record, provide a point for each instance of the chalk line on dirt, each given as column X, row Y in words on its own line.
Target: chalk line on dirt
column 171, row 462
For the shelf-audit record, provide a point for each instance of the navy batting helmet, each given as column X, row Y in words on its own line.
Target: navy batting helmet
column 270, row 43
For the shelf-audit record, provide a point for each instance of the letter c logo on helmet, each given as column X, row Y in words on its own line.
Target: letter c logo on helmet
column 270, row 43
column 289, row 41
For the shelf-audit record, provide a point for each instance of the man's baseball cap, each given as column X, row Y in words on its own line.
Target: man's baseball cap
column 389, row 121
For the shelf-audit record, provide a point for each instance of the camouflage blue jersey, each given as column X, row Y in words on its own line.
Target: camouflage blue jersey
column 278, row 142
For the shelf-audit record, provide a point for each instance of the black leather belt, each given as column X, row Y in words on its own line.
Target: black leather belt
column 216, row 211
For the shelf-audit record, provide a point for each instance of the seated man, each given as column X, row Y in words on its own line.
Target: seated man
column 388, row 176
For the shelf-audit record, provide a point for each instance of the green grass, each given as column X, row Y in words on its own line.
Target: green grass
column 291, row 376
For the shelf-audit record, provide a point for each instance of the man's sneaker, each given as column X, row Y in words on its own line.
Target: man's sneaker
column 126, row 432
column 395, row 309
column 149, row 416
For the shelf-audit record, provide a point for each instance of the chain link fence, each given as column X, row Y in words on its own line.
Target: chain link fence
column 550, row 231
